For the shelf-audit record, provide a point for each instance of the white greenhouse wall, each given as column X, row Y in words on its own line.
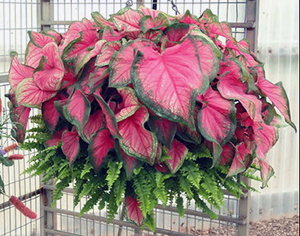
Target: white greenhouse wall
column 278, row 48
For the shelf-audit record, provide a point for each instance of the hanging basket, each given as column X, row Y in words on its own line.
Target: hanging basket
column 147, row 107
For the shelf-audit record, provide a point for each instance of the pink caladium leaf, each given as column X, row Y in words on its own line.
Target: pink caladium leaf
column 231, row 87
column 227, row 154
column 49, row 73
column 161, row 21
column 107, row 52
column 136, row 140
column 49, row 112
column 99, row 147
column 188, row 18
column 219, row 28
column 153, row 35
column 77, row 49
column 168, row 83
column 97, row 78
column 133, row 210
column 120, row 64
column 19, row 116
column 164, row 129
column 111, row 35
column 241, row 160
column 176, row 155
column 101, row 21
column 77, row 110
column 30, row 95
column 56, row 138
column 110, row 119
column 70, row 144
column 208, row 17
column 216, row 119
column 188, row 135
column 18, row 72
column 56, row 35
column 277, row 94
column 208, row 56
column 129, row 104
column 94, row 123
column 266, row 172
column 162, row 167
column 148, row 11
column 130, row 163
column 265, row 137
column 73, row 33
column 174, row 34
column 34, row 47
column 92, row 53
column 242, row 48
column 128, row 18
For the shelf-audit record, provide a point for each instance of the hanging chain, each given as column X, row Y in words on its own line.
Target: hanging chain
column 174, row 7
column 129, row 3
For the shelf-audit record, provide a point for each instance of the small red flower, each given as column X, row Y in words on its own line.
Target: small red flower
column 15, row 157
column 10, row 148
column 22, row 208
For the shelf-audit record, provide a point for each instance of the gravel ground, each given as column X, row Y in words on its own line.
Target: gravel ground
column 281, row 227
column 284, row 226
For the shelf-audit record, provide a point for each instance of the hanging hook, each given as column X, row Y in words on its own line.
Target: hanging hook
column 129, row 3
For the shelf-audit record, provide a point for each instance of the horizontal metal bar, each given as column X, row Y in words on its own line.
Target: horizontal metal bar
column 117, row 222
column 57, row 232
column 201, row 214
column 69, row 190
column 22, row 198
column 187, row 211
column 248, row 25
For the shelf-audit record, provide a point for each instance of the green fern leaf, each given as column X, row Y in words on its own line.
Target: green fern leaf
column 179, row 205
column 89, row 204
column 114, row 169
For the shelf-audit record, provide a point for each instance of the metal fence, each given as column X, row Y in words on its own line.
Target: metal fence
column 19, row 16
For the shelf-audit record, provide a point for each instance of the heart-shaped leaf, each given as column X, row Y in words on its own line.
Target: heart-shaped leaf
column 134, row 213
column 77, row 110
column 136, row 140
column 168, row 83
column 120, row 64
column 216, row 119
column 129, row 104
column 176, row 155
column 49, row 73
column 30, row 95
column 99, row 147
column 18, row 72
column 70, row 144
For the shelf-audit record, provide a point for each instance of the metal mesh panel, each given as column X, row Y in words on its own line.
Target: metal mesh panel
column 12, row 222
column 20, row 16
column 168, row 221
column 16, row 18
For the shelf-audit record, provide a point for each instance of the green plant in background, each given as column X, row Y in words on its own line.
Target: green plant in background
column 146, row 107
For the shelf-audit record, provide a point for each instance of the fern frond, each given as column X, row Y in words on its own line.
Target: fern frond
column 114, row 169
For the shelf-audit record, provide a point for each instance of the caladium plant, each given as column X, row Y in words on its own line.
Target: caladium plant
column 142, row 101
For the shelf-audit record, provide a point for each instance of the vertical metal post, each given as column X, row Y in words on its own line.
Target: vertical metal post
column 50, row 218
column 252, row 7
column 46, row 14
column 244, row 210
